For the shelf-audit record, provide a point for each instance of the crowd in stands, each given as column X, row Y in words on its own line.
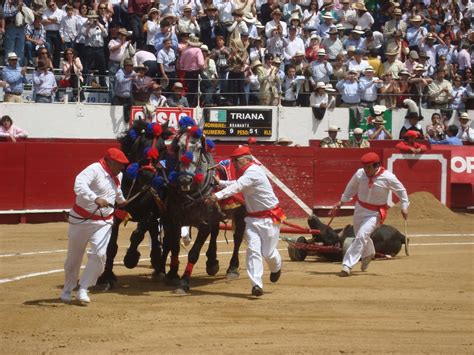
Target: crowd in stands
column 317, row 53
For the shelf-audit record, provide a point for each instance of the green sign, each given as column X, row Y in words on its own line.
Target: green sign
column 359, row 117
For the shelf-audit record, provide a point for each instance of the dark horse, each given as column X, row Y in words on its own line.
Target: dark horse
column 190, row 184
column 143, row 145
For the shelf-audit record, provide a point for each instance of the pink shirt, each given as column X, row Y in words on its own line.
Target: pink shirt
column 191, row 59
column 13, row 131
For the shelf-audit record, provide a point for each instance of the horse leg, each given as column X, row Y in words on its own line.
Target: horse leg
column 108, row 279
column 171, row 244
column 132, row 256
column 239, row 222
column 212, row 264
column 193, row 257
column 155, row 252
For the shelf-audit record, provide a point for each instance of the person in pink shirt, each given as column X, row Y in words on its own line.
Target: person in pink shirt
column 10, row 131
column 192, row 62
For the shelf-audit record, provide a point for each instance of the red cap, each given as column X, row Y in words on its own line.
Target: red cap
column 238, row 152
column 252, row 140
column 116, row 155
column 412, row 134
column 370, row 158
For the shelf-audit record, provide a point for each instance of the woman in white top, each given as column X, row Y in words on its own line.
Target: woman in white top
column 310, row 15
column 319, row 97
column 152, row 27
column 9, row 130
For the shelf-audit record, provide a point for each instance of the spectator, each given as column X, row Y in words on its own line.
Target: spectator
column 191, row 63
column 392, row 65
column 137, row 9
column 423, row 60
column 379, row 132
column 209, row 78
column 435, row 130
column 374, row 61
column 276, row 23
column 404, row 87
column 354, row 39
column 347, row 15
column 357, row 63
column 398, row 45
column 349, row 89
column 373, row 39
column 321, row 69
column 395, row 24
column 357, row 141
column 310, row 15
column 295, row 45
column 221, row 54
column 339, row 69
column 94, row 52
column 283, row 141
column 291, row 8
column 256, row 50
column 210, row 27
column 177, row 98
column 119, row 49
column 238, row 61
column 411, row 124
column 254, row 75
column 35, row 39
column 141, row 86
column 363, row 17
column 44, row 56
column 448, row 68
column 149, row 60
column 81, row 38
column 458, row 95
column 44, row 83
column 466, row 132
column 165, row 33
column 14, row 77
column 270, row 86
column 14, row 41
column 72, row 70
column 369, row 84
column 237, row 27
column 427, row 46
column 9, row 131
column 332, row 45
column 156, row 100
column 411, row 62
column 439, row 91
column 409, row 145
column 52, row 18
column 331, row 141
column 323, row 31
column 69, row 27
column 451, row 138
column 188, row 23
column 464, row 58
column 415, row 32
column 123, row 88
column 290, row 87
column 318, row 100
column 152, row 27
column 390, row 90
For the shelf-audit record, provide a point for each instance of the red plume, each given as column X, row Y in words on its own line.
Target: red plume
column 157, row 129
column 152, row 154
column 198, row 178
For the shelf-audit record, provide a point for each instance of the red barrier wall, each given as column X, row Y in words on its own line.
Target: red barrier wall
column 39, row 174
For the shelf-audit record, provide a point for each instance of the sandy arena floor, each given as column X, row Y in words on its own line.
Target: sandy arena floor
column 423, row 303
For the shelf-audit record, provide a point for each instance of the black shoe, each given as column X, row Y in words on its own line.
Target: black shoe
column 275, row 276
column 257, row 291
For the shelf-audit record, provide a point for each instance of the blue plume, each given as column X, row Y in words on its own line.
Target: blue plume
column 132, row 171
column 145, row 151
column 225, row 162
column 149, row 128
column 210, row 143
column 186, row 121
column 173, row 176
column 133, row 134
column 158, row 182
column 197, row 133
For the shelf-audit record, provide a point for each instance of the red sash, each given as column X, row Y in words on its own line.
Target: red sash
column 276, row 214
column 241, row 172
column 86, row 214
column 382, row 209
column 108, row 171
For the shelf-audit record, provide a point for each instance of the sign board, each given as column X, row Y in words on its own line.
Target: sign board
column 363, row 120
column 237, row 122
column 462, row 163
column 162, row 115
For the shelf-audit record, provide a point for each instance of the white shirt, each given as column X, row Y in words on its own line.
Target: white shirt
column 94, row 182
column 378, row 193
column 316, row 100
column 58, row 14
column 365, row 21
column 293, row 46
column 69, row 28
column 256, row 188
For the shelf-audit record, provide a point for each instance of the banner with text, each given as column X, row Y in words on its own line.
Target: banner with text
column 235, row 123
column 162, row 115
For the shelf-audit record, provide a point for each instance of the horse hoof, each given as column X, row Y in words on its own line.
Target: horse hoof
column 158, row 276
column 232, row 275
column 106, row 286
column 131, row 258
column 180, row 291
column 213, row 269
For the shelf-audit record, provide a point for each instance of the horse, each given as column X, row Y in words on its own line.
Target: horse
column 143, row 144
column 191, row 182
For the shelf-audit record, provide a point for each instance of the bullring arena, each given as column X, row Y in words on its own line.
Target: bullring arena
column 422, row 303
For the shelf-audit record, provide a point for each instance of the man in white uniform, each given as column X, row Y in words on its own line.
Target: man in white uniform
column 262, row 224
column 371, row 186
column 97, row 188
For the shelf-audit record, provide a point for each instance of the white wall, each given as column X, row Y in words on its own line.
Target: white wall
column 104, row 121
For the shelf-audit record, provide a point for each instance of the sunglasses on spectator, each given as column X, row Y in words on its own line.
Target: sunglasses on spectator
column 102, row 8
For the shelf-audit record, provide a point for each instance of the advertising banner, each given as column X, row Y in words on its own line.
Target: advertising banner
column 162, row 115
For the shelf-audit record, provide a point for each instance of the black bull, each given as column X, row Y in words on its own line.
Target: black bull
column 387, row 239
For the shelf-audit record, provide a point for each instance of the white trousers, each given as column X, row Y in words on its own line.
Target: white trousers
column 365, row 221
column 262, row 239
column 98, row 234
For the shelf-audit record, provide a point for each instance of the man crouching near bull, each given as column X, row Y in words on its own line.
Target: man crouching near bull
column 370, row 186
column 262, row 224
column 97, row 188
